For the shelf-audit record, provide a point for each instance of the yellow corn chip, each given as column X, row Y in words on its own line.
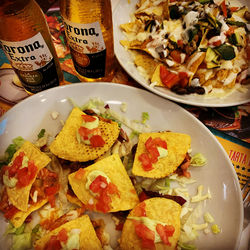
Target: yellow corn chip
column 88, row 239
column 177, row 146
column 113, row 168
column 18, row 219
column 159, row 210
column 132, row 27
column 19, row 197
column 74, row 200
column 156, row 79
column 67, row 147
column 194, row 61
column 145, row 61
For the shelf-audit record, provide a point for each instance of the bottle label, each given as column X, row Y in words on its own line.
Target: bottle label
column 87, row 48
column 33, row 62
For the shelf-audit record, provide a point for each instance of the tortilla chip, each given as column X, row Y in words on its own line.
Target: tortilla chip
column 67, row 147
column 19, row 197
column 88, row 237
column 74, row 200
column 132, row 27
column 156, row 79
column 177, row 145
column 114, row 169
column 160, row 209
column 18, row 219
column 145, row 61
column 195, row 60
column 149, row 9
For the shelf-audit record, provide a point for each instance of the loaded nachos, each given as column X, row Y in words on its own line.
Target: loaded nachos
column 189, row 47
column 138, row 172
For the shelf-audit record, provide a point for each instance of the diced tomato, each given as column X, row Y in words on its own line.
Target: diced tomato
column 163, row 72
column 26, row 175
column 152, row 150
column 17, row 163
column 10, row 212
column 171, row 80
column 95, row 186
column 104, row 190
column 176, row 55
column 230, row 31
column 217, row 43
column 233, row 9
column 88, row 118
column 224, row 8
column 44, row 173
column 52, row 190
column 104, row 201
column 160, row 143
column 140, row 210
column 142, row 196
column 165, row 232
column 63, row 235
column 79, row 173
column 183, row 79
column 119, row 227
column 180, row 42
column 84, row 132
column 168, row 78
column 53, row 244
column 112, row 189
column 147, row 236
column 96, row 141
column 146, row 162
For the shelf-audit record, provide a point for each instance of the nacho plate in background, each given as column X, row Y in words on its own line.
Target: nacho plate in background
column 122, row 15
column 28, row 117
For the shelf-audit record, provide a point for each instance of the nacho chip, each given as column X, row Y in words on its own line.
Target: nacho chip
column 74, row 200
column 160, row 210
column 19, row 197
column 67, row 147
column 18, row 219
column 113, row 168
column 145, row 61
column 195, row 60
column 177, row 146
column 87, row 239
column 132, row 27
column 156, row 78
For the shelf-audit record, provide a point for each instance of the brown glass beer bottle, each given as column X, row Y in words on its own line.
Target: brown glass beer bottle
column 27, row 42
column 89, row 32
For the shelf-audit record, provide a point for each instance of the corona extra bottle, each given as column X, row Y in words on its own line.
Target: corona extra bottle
column 27, row 42
column 89, row 32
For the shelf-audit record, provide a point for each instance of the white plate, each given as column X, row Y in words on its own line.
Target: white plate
column 29, row 116
column 121, row 15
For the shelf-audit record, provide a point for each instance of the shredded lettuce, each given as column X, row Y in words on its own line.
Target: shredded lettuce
column 145, row 117
column 12, row 230
column 208, row 217
column 95, row 104
column 21, row 241
column 198, row 160
column 215, row 229
column 133, row 134
column 184, row 246
column 200, row 196
column 161, row 185
column 41, row 133
column 10, row 151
